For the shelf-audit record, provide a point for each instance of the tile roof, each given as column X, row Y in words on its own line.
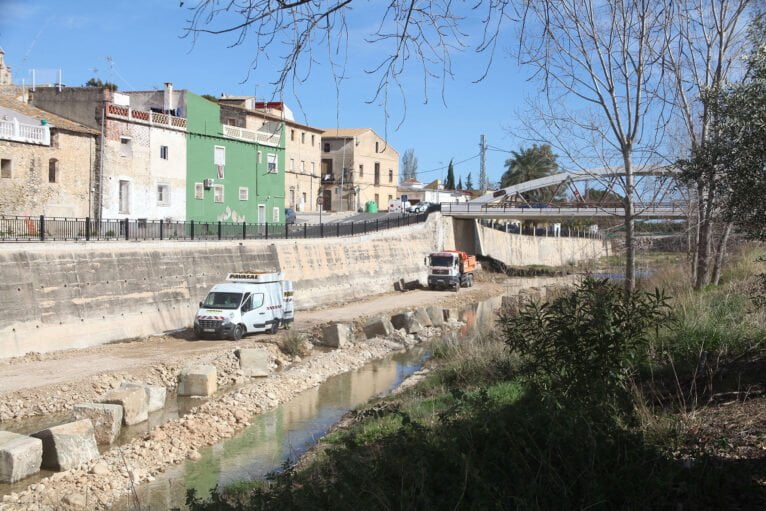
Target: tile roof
column 54, row 120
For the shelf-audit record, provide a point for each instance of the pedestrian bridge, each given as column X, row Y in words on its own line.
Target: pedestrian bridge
column 655, row 196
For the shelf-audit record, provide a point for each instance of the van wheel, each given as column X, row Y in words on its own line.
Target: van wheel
column 274, row 327
column 236, row 334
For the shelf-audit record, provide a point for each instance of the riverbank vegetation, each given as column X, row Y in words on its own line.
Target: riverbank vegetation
column 589, row 400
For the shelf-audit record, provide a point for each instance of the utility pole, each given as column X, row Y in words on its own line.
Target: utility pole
column 483, row 185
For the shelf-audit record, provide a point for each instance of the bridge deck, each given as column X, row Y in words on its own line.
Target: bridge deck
column 474, row 210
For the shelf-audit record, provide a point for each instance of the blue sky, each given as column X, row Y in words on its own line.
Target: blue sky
column 143, row 40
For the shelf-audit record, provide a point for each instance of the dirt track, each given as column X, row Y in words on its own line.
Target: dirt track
column 38, row 376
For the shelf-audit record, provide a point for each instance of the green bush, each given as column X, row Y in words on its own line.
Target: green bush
column 581, row 348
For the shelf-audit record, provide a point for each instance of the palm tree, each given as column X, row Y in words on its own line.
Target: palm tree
column 527, row 164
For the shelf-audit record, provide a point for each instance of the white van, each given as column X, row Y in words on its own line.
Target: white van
column 398, row 206
column 246, row 303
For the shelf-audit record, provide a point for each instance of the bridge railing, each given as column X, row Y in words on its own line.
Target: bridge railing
column 577, row 209
column 549, row 231
column 44, row 229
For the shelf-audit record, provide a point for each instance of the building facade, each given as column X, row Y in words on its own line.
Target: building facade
column 302, row 146
column 47, row 163
column 235, row 173
column 358, row 166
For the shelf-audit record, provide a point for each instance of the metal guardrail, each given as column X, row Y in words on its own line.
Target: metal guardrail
column 44, row 229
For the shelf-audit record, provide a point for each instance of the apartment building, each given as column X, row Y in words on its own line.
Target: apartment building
column 358, row 166
column 302, row 145
column 47, row 163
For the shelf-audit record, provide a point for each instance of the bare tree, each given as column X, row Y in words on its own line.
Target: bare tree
column 409, row 165
column 600, row 64
column 412, row 36
column 705, row 42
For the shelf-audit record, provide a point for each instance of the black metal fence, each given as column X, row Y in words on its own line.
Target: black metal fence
column 42, row 228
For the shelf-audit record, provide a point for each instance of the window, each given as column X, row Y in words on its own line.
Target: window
column 199, row 191
column 303, row 137
column 53, row 170
column 231, row 122
column 303, row 166
column 219, row 155
column 271, row 160
column 244, row 193
column 361, row 170
column 390, row 197
column 377, row 173
column 163, row 152
column 292, row 198
column 124, row 197
column 275, row 215
column 377, row 150
column 126, row 147
column 377, row 199
column 312, row 140
column 260, row 157
column 390, row 175
column 163, row 195
column 303, row 201
column 313, row 167
column 292, row 165
column 292, row 135
column 218, row 193
column 5, row 168
column 327, row 147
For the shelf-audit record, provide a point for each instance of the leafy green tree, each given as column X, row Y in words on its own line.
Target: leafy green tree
column 96, row 82
column 528, row 164
column 449, row 184
column 469, row 183
column 210, row 97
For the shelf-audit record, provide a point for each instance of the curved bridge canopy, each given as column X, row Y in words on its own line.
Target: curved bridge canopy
column 560, row 179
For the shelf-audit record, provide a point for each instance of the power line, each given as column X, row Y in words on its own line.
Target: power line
column 447, row 166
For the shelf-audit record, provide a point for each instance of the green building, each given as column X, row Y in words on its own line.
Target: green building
column 234, row 173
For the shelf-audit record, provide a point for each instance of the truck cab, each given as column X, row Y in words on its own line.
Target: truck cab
column 450, row 269
column 248, row 302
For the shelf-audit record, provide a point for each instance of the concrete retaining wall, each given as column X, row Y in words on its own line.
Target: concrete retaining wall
column 72, row 295
column 518, row 250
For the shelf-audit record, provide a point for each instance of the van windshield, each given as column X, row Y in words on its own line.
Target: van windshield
column 220, row 300
column 441, row 260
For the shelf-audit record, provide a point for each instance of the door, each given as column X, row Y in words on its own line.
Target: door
column 326, row 200
column 255, row 316
column 261, row 213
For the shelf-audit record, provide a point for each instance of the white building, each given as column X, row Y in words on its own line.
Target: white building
column 414, row 191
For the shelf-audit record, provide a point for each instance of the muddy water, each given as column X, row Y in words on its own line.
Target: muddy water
column 289, row 430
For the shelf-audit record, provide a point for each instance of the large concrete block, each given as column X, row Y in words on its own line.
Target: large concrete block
column 401, row 320
column 414, row 326
column 134, row 402
column 20, row 456
column 378, row 327
column 155, row 394
column 337, row 335
column 106, row 419
column 254, row 362
column 436, row 314
column 197, row 381
column 69, row 445
column 422, row 317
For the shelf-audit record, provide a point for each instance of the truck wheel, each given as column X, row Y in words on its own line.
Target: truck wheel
column 274, row 327
column 236, row 334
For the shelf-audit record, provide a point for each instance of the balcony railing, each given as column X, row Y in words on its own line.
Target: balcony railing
column 151, row 118
column 19, row 132
column 259, row 137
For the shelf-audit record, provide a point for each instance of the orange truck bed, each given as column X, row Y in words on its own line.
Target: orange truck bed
column 467, row 262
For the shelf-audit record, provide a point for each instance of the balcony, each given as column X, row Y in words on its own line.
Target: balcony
column 143, row 117
column 258, row 137
column 28, row 133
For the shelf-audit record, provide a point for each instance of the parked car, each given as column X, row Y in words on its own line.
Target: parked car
column 420, row 207
column 289, row 216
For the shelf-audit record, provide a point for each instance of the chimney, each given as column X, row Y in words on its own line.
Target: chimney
column 168, row 98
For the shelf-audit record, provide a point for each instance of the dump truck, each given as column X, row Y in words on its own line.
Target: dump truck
column 450, row 269
column 248, row 302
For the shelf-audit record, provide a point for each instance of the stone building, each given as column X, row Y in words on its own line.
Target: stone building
column 358, row 166
column 302, row 145
column 142, row 155
column 47, row 163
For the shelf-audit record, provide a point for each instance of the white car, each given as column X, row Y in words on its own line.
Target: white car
column 420, row 207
